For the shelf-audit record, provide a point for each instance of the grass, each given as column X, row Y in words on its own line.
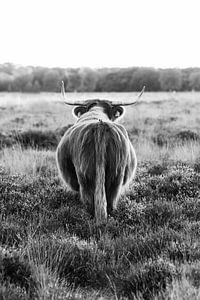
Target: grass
column 33, row 162
column 51, row 248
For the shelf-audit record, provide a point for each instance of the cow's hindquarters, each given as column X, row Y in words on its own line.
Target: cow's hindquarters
column 95, row 158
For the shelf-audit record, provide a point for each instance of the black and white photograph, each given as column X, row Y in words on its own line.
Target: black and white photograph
column 99, row 150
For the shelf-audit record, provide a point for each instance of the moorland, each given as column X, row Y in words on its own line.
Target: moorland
column 51, row 248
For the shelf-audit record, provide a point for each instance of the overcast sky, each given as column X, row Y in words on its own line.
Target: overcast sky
column 100, row 33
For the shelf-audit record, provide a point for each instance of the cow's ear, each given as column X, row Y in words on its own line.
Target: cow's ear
column 117, row 111
column 79, row 111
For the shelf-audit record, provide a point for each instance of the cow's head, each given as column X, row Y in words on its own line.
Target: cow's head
column 113, row 110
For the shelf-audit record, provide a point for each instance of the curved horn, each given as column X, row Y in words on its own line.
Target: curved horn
column 63, row 96
column 124, row 103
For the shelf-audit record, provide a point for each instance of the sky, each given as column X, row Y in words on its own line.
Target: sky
column 100, row 33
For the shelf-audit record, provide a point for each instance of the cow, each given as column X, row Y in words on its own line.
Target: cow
column 95, row 156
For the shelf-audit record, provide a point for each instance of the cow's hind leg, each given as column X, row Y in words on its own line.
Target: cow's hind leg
column 113, row 189
column 67, row 169
column 88, row 201
column 87, row 192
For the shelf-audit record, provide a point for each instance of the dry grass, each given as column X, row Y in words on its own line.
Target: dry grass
column 187, row 287
column 188, row 152
column 182, row 290
column 32, row 162
column 47, row 111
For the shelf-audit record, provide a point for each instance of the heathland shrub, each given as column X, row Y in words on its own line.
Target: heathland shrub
column 16, row 271
column 33, row 138
column 133, row 254
column 12, row 292
column 45, row 201
column 161, row 139
column 10, row 233
column 6, row 140
column 157, row 168
column 180, row 181
column 167, row 137
column 147, row 280
column 187, row 135
column 129, row 212
column 37, row 139
column 22, row 195
column 197, row 165
column 193, row 274
column 61, row 131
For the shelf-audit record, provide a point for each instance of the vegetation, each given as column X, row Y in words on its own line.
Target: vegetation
column 51, row 248
column 37, row 79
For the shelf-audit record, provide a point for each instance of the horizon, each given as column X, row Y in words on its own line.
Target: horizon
column 100, row 34
column 97, row 68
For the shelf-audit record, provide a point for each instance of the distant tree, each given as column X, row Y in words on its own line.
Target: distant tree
column 36, row 79
column 147, row 77
column 170, row 80
column 129, row 79
column 114, row 80
column 74, row 80
column 107, row 82
column 5, row 81
column 88, row 80
column 36, row 87
column 51, row 81
column 38, row 75
column 7, row 68
column 185, row 79
column 194, row 80
column 28, row 88
column 123, row 79
column 21, row 81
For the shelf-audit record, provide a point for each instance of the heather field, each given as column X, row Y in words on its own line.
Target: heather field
column 51, row 248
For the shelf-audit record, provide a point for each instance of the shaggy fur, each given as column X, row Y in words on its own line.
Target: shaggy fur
column 95, row 157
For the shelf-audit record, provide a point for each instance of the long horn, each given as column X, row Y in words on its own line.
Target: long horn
column 125, row 103
column 67, row 102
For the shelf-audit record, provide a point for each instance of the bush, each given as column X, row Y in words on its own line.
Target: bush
column 161, row 139
column 187, row 135
column 6, row 140
column 10, row 234
column 150, row 279
column 12, row 292
column 61, row 131
column 197, row 165
column 33, row 138
column 37, row 139
column 157, row 169
column 16, row 271
column 177, row 184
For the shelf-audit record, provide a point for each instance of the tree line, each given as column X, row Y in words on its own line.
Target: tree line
column 41, row 79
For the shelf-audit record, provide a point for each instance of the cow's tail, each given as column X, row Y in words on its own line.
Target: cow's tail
column 100, row 203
